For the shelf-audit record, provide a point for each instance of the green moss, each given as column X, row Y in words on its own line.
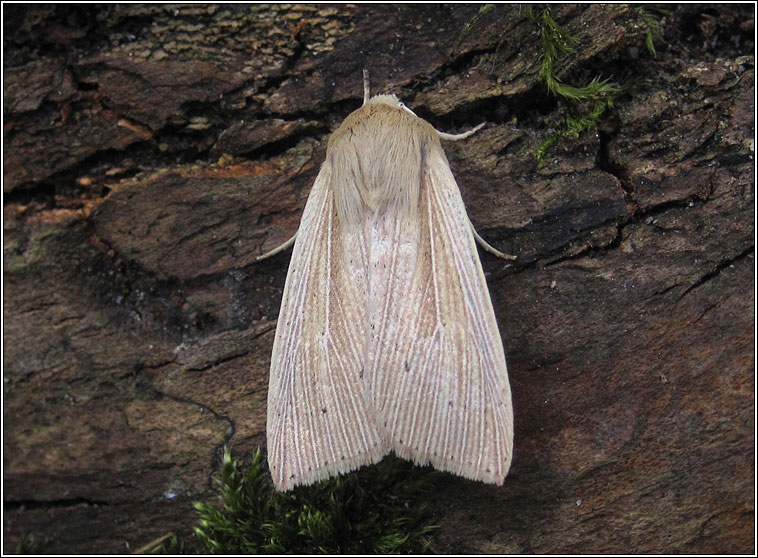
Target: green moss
column 379, row 509
column 26, row 545
column 171, row 545
column 650, row 14
column 587, row 103
column 576, row 125
column 470, row 23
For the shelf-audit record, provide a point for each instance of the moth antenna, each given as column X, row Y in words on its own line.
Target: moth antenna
column 366, row 89
column 281, row 248
column 487, row 247
column 456, row 137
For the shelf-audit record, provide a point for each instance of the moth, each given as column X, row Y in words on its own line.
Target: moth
column 386, row 338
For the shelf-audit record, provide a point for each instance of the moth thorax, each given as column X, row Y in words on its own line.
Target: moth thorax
column 378, row 162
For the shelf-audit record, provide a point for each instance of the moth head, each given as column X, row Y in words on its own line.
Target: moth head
column 390, row 100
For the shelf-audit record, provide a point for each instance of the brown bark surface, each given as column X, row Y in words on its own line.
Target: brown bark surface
column 152, row 152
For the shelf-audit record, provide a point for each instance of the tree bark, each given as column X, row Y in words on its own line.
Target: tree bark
column 151, row 152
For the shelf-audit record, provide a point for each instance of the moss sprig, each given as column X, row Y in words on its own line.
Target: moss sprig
column 27, row 545
column 651, row 15
column 558, row 42
column 170, row 544
column 376, row 510
column 575, row 126
column 470, row 23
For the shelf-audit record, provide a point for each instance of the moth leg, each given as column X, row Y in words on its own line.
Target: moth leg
column 280, row 248
column 485, row 246
column 456, row 137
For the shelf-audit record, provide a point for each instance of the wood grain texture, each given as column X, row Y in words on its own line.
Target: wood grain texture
column 138, row 329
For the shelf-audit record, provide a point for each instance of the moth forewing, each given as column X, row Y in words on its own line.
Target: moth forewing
column 386, row 338
column 317, row 422
column 436, row 366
